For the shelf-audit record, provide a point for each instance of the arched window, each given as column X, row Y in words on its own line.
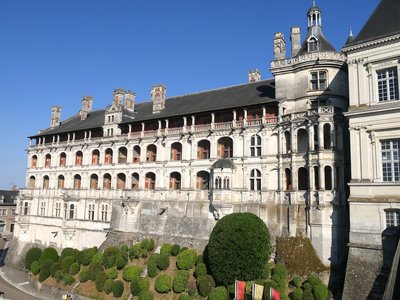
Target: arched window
column 47, row 161
column 107, row 182
column 316, row 142
column 32, row 182
column 225, row 147
column 122, row 155
column 58, row 209
column 95, row 157
column 61, row 181
column 77, row 182
column 316, row 178
column 312, row 45
column 203, row 149
column 327, row 136
column 136, row 154
column 176, row 151
column 42, row 208
column 226, row 183
column 121, row 181
column 46, row 182
column 218, row 183
column 151, row 154
column 71, row 211
column 302, row 141
column 175, row 181
column 34, row 161
column 104, row 212
column 255, row 180
column 26, row 208
column 202, row 180
column 94, row 181
column 150, row 182
column 135, row 181
column 288, row 144
column 78, row 158
column 288, row 179
column 63, row 159
column 255, row 148
column 328, row 178
column 303, row 179
column 108, row 158
column 91, row 212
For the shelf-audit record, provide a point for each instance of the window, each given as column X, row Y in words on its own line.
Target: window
column 34, row 161
column 63, row 159
column 302, row 141
column 77, row 182
column 225, row 147
column 32, row 182
column 175, row 181
column 61, row 181
column 108, row 157
column 14, row 211
column 58, row 209
column 107, row 181
column 104, row 212
column 47, row 161
column 328, row 178
column 12, row 227
column 121, row 181
column 312, row 45
column 95, row 157
column 2, row 226
column 150, row 182
column 94, row 181
column 390, row 160
column 318, row 81
column 218, row 183
column 327, row 136
column 42, row 208
column 136, row 154
column 302, row 179
column 255, row 180
column 3, row 212
column 202, row 180
column 176, row 151
column 91, row 212
column 226, row 183
column 26, row 206
column 71, row 211
column 78, row 158
column 122, row 155
column 203, row 149
column 392, row 217
column 255, row 148
column 135, row 181
column 388, row 84
column 151, row 154
column 46, row 182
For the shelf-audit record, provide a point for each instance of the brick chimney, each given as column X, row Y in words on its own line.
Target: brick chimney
column 130, row 100
column 87, row 102
column 279, row 46
column 55, row 116
column 254, row 75
column 118, row 97
column 295, row 38
column 158, row 94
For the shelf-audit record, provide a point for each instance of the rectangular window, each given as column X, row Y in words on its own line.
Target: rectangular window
column 318, row 81
column 388, row 84
column 392, row 217
column 390, row 160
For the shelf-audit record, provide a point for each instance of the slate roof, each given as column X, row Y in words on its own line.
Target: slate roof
column 244, row 95
column 223, row 163
column 9, row 197
column 384, row 21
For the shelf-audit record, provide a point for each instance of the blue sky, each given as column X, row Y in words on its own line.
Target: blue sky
column 55, row 51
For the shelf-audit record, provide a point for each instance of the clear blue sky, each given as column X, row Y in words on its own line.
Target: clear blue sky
column 55, row 51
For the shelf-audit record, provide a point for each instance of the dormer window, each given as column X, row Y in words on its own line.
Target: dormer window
column 318, row 81
column 313, row 45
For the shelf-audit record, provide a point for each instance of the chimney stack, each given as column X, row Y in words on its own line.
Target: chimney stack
column 158, row 94
column 118, row 97
column 279, row 46
column 55, row 116
column 295, row 38
column 254, row 75
column 87, row 102
column 130, row 100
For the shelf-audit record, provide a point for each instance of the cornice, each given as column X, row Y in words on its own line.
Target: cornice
column 371, row 44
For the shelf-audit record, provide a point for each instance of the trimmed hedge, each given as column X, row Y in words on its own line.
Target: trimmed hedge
column 131, row 272
column 97, row 258
column 124, row 248
column 112, row 273
column 74, row 269
column 45, row 270
column 84, row 275
column 184, row 297
column 59, row 275
column 297, row 294
column 163, row 283
column 87, row 255
column 308, row 295
column 152, row 265
column 118, row 288
column 94, row 269
column 49, row 253
column 320, row 292
column 296, row 281
column 218, row 293
column 35, row 267
column 100, row 279
column 66, row 263
column 163, row 262
column 165, row 249
column 199, row 259
column 75, row 253
column 108, row 285
column 68, row 279
column 200, row 270
column 148, row 244
column 139, row 284
column 135, row 251
column 54, row 268
column 146, row 295
column 186, row 259
column 281, row 271
column 180, row 282
column 120, row 262
column 205, row 284
column 175, row 249
column 32, row 255
column 110, row 256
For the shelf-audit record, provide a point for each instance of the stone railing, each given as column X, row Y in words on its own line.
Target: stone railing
column 321, row 110
column 309, row 57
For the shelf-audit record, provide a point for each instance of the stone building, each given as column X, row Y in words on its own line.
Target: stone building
column 374, row 114
column 8, row 207
column 172, row 166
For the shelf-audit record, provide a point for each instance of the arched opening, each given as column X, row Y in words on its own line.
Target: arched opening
column 136, row 154
column 302, row 141
column 288, row 179
column 328, row 178
column 77, row 182
column 34, row 161
column 202, row 180
column 46, row 182
column 61, row 181
column 316, row 144
column 288, row 144
column 78, row 158
column 95, row 157
column 255, row 145
column 63, row 159
column 313, row 43
column 121, row 181
column 71, row 211
column 218, row 183
column 226, row 183
column 176, row 151
column 203, row 149
column 303, row 179
column 122, row 155
column 150, row 181
column 316, row 178
column 225, row 147
column 255, row 180
column 151, row 154
column 32, row 182
column 26, row 208
column 107, row 181
column 47, row 161
column 135, row 181
column 175, row 181
column 327, row 136
column 108, row 158
column 94, row 181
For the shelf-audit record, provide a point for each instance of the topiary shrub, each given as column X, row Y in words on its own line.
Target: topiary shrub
column 112, row 273
column 238, row 248
column 45, row 269
column 297, row 294
column 152, row 269
column 32, row 255
column 320, row 292
column 108, row 285
column 54, row 268
column 266, row 272
column 84, row 275
column 146, row 295
column 75, row 253
column 307, row 286
column 205, row 284
column 124, row 248
column 186, row 259
column 180, row 282
column 74, row 269
column 280, row 283
column 120, row 262
column 165, row 249
column 218, row 293
column 163, row 262
column 118, row 288
column 110, row 256
column 296, row 281
column 163, row 283
column 66, row 263
column 314, row 280
column 68, row 279
column 136, row 288
column 281, row 271
column 135, row 251
column 175, row 249
column 200, row 270
column 97, row 258
column 87, row 255
column 100, row 279
column 199, row 259
column 49, row 253
column 131, row 272
column 183, row 249
column 308, row 295
column 148, row 244
column 267, row 286
column 94, row 269
column 35, row 267
column 184, row 297
column 59, row 275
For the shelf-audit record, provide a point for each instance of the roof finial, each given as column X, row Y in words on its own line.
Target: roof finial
column 351, row 32
column 313, row 3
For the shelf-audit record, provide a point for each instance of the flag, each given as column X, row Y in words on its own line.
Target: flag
column 258, row 292
column 274, row 294
column 239, row 289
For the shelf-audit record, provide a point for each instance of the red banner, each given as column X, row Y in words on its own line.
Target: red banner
column 275, row 295
column 239, row 289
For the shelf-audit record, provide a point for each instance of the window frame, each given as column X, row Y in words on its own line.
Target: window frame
column 318, row 80
column 392, row 217
column 391, row 165
column 255, row 145
column 386, row 80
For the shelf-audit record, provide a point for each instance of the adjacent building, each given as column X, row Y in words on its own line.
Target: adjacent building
column 8, row 211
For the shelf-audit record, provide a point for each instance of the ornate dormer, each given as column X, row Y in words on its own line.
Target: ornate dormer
column 55, row 116
column 158, row 94
column 113, row 114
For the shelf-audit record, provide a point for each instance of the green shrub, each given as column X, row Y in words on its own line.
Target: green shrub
column 54, row 267
column 297, row 294
column 124, row 248
column 108, row 285
column 45, row 269
column 32, row 255
column 314, row 280
column 280, row 283
column 135, row 251
column 74, row 269
column 184, row 297
column 180, row 282
column 100, row 279
column 66, row 263
column 308, row 295
column 152, row 270
column 68, row 279
column 139, row 284
column 175, row 249
column 165, row 249
column 112, row 273
column 144, row 283
column 163, row 262
column 97, row 258
column 131, row 272
column 75, row 253
column 320, row 292
column 87, row 255
column 35, row 267
column 280, row 270
column 110, row 256
column 200, row 270
column 183, row 249
column 199, row 259
column 84, row 275
column 49, row 253
column 120, row 262
column 146, row 295
column 186, row 259
column 266, row 272
column 94, row 269
column 58, row 275
column 296, row 281
column 118, row 288
column 218, row 293
column 148, row 244
column 205, row 284
column 154, row 257
column 163, row 283
column 267, row 286
column 307, row 286
column 238, row 248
